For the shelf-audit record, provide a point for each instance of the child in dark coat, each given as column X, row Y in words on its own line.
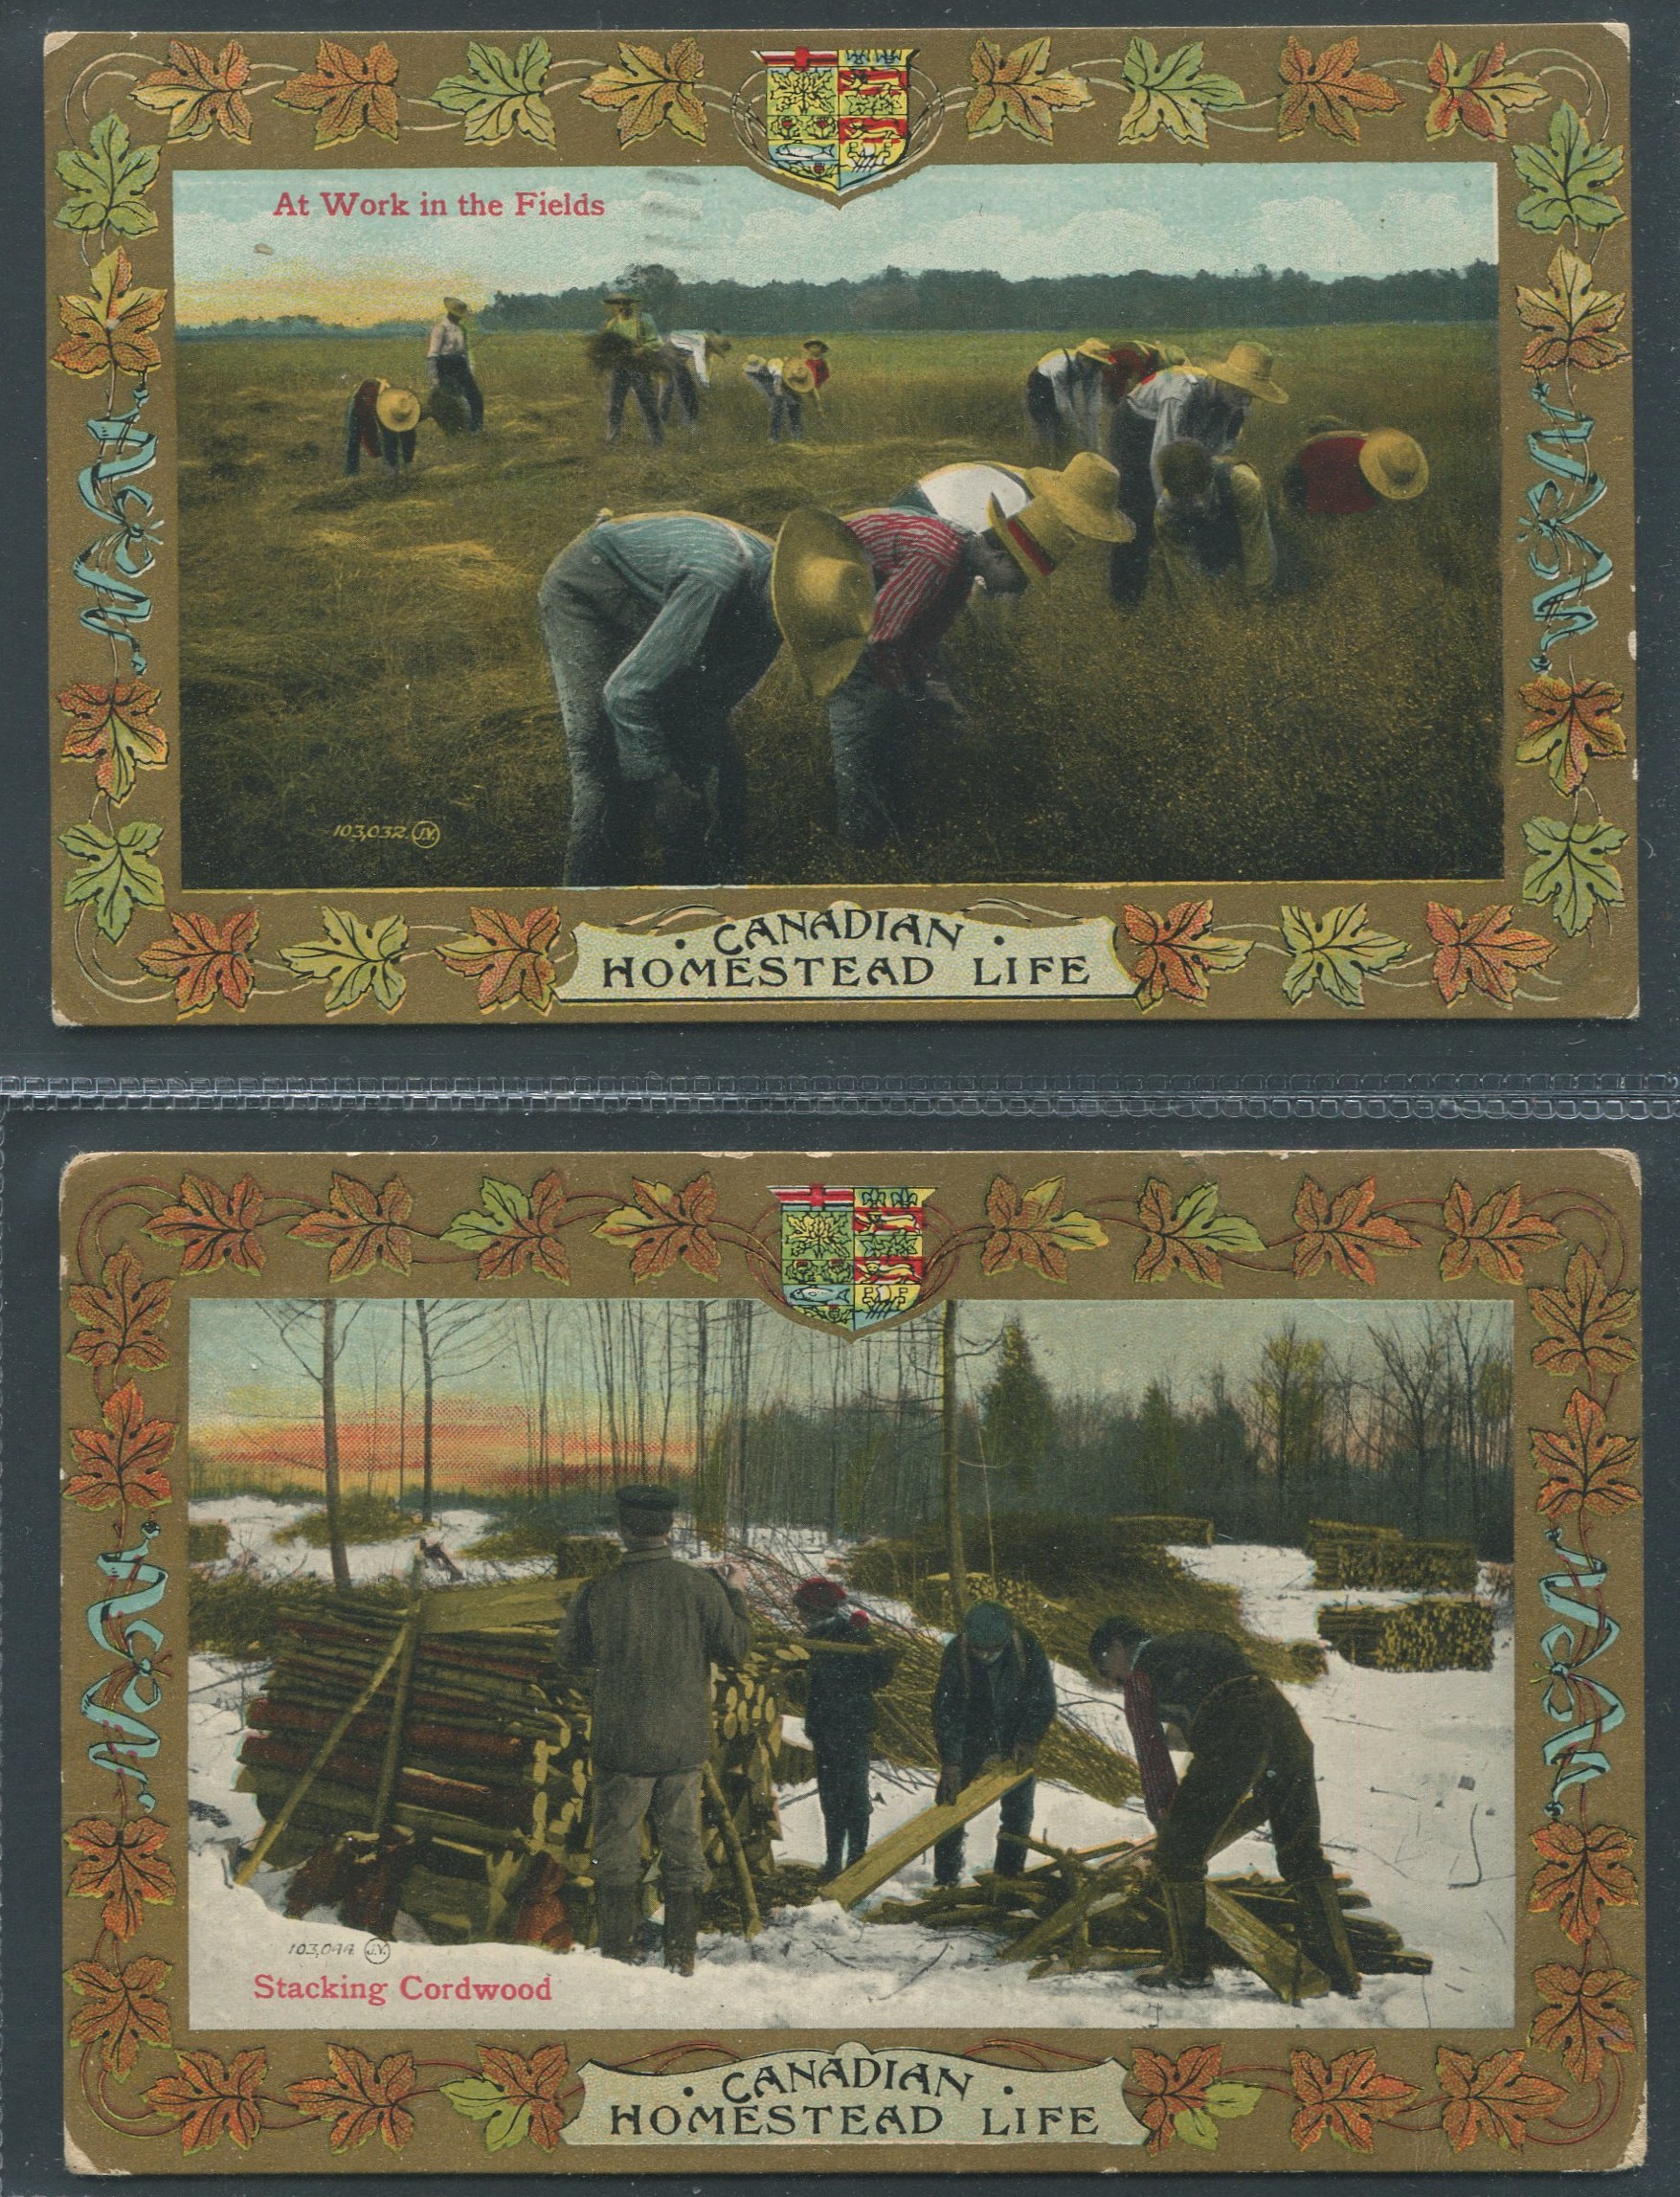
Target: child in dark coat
column 846, row 1670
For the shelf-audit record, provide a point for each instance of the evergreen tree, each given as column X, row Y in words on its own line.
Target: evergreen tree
column 1017, row 1413
column 1157, row 1479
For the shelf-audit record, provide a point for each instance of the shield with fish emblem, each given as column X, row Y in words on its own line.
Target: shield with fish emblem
column 837, row 118
column 852, row 1258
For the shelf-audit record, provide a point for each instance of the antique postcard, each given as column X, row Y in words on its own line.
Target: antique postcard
column 648, row 527
column 1114, row 1661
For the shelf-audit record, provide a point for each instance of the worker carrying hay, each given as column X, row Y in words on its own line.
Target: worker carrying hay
column 1248, row 1753
column 652, row 1629
column 995, row 1700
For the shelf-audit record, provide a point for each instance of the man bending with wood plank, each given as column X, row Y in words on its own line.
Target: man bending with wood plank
column 994, row 1702
column 1248, row 1751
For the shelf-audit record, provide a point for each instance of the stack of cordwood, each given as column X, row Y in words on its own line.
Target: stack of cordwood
column 1433, row 1634
column 1348, row 1556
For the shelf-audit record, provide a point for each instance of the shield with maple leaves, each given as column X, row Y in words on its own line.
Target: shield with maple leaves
column 838, row 117
column 852, row 1258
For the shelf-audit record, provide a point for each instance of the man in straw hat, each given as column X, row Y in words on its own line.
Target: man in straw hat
column 1211, row 520
column 1338, row 471
column 1206, row 404
column 1066, row 392
column 1084, row 496
column 380, row 423
column 784, row 384
column 449, row 366
column 651, row 1630
column 685, row 359
column 657, row 627
column 863, row 603
column 627, row 344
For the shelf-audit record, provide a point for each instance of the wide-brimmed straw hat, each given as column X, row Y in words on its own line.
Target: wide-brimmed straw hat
column 1085, row 495
column 398, row 409
column 797, row 377
column 1094, row 347
column 456, row 305
column 618, row 298
column 1247, row 365
column 822, row 593
column 1394, row 464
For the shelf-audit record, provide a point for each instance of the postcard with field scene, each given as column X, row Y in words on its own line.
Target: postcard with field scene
column 872, row 1661
column 1013, row 525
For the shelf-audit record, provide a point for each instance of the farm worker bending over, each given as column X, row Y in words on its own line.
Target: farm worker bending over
column 651, row 1629
column 1199, row 1690
column 1084, row 496
column 627, row 346
column 657, row 628
column 995, row 1700
column 685, row 364
column 784, row 384
column 864, row 604
column 1211, row 520
column 840, row 1712
column 381, row 421
column 1338, row 471
column 449, row 366
column 1206, row 404
column 1066, row 392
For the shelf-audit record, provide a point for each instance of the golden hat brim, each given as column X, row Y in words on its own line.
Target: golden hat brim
column 824, row 655
column 1080, row 517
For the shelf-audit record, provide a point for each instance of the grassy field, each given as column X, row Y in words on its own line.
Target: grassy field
column 365, row 654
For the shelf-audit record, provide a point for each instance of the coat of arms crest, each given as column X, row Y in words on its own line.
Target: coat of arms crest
column 852, row 1258
column 837, row 118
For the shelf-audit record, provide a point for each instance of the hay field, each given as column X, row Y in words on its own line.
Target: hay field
column 362, row 654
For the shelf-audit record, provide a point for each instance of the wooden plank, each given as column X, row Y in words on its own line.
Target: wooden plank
column 1271, row 1956
column 1077, row 1909
column 918, row 1834
column 494, row 1606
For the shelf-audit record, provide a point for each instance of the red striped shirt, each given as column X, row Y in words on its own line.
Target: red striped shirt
column 922, row 581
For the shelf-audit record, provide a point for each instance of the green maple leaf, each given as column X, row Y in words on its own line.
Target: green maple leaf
column 117, row 874
column 1336, row 950
column 505, row 2118
column 354, row 957
column 107, row 182
column 1198, row 1218
column 1221, row 2102
column 1566, row 176
column 505, row 1207
column 1174, row 94
column 497, row 96
column 1571, row 871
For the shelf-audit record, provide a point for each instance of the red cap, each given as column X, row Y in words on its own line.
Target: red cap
column 818, row 1593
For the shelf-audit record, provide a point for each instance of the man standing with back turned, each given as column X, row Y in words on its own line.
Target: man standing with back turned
column 652, row 1629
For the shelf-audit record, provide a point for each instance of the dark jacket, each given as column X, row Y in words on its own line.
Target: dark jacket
column 984, row 1708
column 653, row 1629
column 1184, row 1668
column 839, row 1689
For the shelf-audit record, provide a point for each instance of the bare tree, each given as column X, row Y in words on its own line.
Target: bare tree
column 1415, row 1367
column 457, row 1337
column 313, row 1337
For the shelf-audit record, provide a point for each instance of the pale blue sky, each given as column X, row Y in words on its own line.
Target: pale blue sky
column 235, row 254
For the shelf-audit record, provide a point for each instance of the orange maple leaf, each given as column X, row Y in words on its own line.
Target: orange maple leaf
column 204, row 960
column 1574, row 322
column 544, row 2082
column 1574, row 724
column 124, row 1464
column 1344, row 1230
column 214, row 1226
column 120, row 1314
column 664, row 1225
column 1173, row 2086
column 647, row 89
column 199, row 95
column 1581, row 2018
column 1030, row 1228
column 345, row 92
column 111, row 726
column 508, row 956
column 1179, row 952
column 120, row 2009
column 364, row 1229
column 1344, row 2099
column 359, row 2098
column 1581, row 1320
column 1583, row 1870
column 110, row 327
column 208, row 2099
column 532, row 1242
column 1485, row 952
column 1330, row 91
column 124, row 1868
column 1482, row 92
column 1585, row 1467
column 1494, row 1237
column 1492, row 2098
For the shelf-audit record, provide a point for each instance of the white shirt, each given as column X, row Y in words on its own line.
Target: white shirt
column 1162, row 399
column 691, row 343
column 1077, row 385
column 960, row 494
column 448, row 340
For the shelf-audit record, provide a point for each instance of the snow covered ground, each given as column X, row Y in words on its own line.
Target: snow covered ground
column 1416, row 1783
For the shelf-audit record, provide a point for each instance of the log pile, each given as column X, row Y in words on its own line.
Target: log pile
column 1345, row 1556
column 1427, row 1635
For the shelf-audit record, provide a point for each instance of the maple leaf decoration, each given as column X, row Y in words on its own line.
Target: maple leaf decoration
column 1575, row 323
column 1179, row 951
column 647, row 89
column 1492, row 2098
column 516, row 2097
column 1486, row 951
column 345, row 92
column 510, row 1231
column 1023, row 90
column 365, row 1228
column 1344, row 1230
column 1031, row 1229
column 1482, row 92
column 1344, row 2099
column 1583, row 1870
column 1173, row 2086
column 1585, row 1467
column 1330, row 91
column 120, row 2009
column 111, row 726
column 1494, row 1237
column 1574, row 724
column 208, row 2099
column 204, row 960
column 214, row 1227
column 124, row 1464
column 1581, row 1320
column 110, row 328
column 1190, row 1235
column 199, row 95
column 124, row 1868
column 509, row 956
column 120, row 1315
column 664, row 1225
column 1582, row 2019
column 359, row 2098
